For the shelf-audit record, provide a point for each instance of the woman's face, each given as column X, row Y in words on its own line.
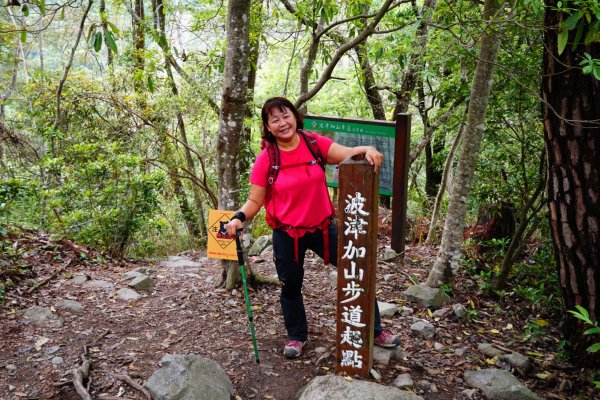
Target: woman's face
column 282, row 124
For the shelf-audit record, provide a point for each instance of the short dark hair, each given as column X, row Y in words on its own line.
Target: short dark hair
column 278, row 103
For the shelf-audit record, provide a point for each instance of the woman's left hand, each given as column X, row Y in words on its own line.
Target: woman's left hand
column 374, row 157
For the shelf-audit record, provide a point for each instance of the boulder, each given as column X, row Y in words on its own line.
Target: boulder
column 403, row 380
column 518, row 361
column 332, row 387
column 142, row 282
column 180, row 262
column 387, row 310
column 498, row 384
column 69, row 305
column 259, row 245
column 189, row 377
column 39, row 315
column 99, row 284
column 489, row 350
column 426, row 296
column 423, row 329
column 389, row 254
column 127, row 294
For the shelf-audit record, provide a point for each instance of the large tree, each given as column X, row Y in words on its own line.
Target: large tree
column 449, row 254
column 571, row 116
column 233, row 110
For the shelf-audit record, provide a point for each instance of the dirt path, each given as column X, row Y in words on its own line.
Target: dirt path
column 184, row 313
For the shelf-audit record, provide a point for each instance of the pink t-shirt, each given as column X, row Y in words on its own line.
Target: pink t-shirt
column 299, row 196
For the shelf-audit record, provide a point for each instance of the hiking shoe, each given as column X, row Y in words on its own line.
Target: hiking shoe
column 387, row 340
column 293, row 349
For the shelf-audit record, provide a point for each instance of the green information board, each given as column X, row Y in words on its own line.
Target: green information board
column 351, row 133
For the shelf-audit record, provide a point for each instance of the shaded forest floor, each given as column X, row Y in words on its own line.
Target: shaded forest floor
column 185, row 313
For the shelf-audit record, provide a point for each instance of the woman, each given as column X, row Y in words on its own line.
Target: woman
column 298, row 208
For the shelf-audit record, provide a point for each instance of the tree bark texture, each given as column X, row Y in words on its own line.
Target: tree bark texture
column 571, row 117
column 233, row 109
column 449, row 254
column 139, row 44
column 368, row 81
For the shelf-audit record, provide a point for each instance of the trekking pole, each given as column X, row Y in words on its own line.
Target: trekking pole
column 240, row 255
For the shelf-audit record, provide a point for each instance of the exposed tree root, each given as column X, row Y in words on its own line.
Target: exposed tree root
column 81, row 375
column 54, row 275
column 135, row 385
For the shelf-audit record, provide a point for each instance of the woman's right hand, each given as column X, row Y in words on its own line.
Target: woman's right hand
column 232, row 227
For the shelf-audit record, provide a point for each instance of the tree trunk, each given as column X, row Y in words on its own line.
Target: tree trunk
column 231, row 119
column 442, row 188
column 139, row 44
column 449, row 254
column 194, row 218
column 368, row 81
column 109, row 54
column 571, row 115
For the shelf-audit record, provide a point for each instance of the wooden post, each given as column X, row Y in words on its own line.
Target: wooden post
column 400, row 191
column 357, row 260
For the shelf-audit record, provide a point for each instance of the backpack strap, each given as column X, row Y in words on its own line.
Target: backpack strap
column 311, row 143
column 274, row 162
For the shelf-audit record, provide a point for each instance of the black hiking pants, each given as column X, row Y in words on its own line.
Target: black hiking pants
column 291, row 275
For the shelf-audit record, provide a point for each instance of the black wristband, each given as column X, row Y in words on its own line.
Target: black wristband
column 239, row 215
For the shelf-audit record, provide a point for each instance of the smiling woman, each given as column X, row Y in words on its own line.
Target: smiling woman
column 289, row 179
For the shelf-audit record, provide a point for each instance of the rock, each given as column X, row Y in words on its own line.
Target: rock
column 459, row 310
column 131, row 275
column 426, row 386
column 52, row 350
column 189, row 377
column 381, row 356
column 499, row 384
column 387, row 310
column 389, row 254
column 331, row 387
column 11, row 368
column 489, row 350
column 333, row 279
column 388, row 277
column 144, row 270
column 127, row 294
column 426, row 296
column 423, row 329
column 520, row 362
column 142, row 282
column 99, row 284
column 438, row 346
column 179, row 262
column 396, row 353
column 320, row 350
column 441, row 313
column 460, row 351
column 69, row 305
column 231, row 303
column 403, row 380
column 267, row 250
column 39, row 315
column 259, row 245
column 79, row 279
column 57, row 360
column 469, row 393
column 11, row 388
column 406, row 311
column 376, row 375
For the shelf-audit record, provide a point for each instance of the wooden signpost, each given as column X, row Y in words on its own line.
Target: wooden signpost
column 357, row 260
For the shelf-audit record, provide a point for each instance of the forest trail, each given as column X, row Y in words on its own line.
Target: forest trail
column 184, row 313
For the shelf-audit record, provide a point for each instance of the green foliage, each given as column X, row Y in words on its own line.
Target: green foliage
column 105, row 196
column 582, row 314
column 590, row 65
